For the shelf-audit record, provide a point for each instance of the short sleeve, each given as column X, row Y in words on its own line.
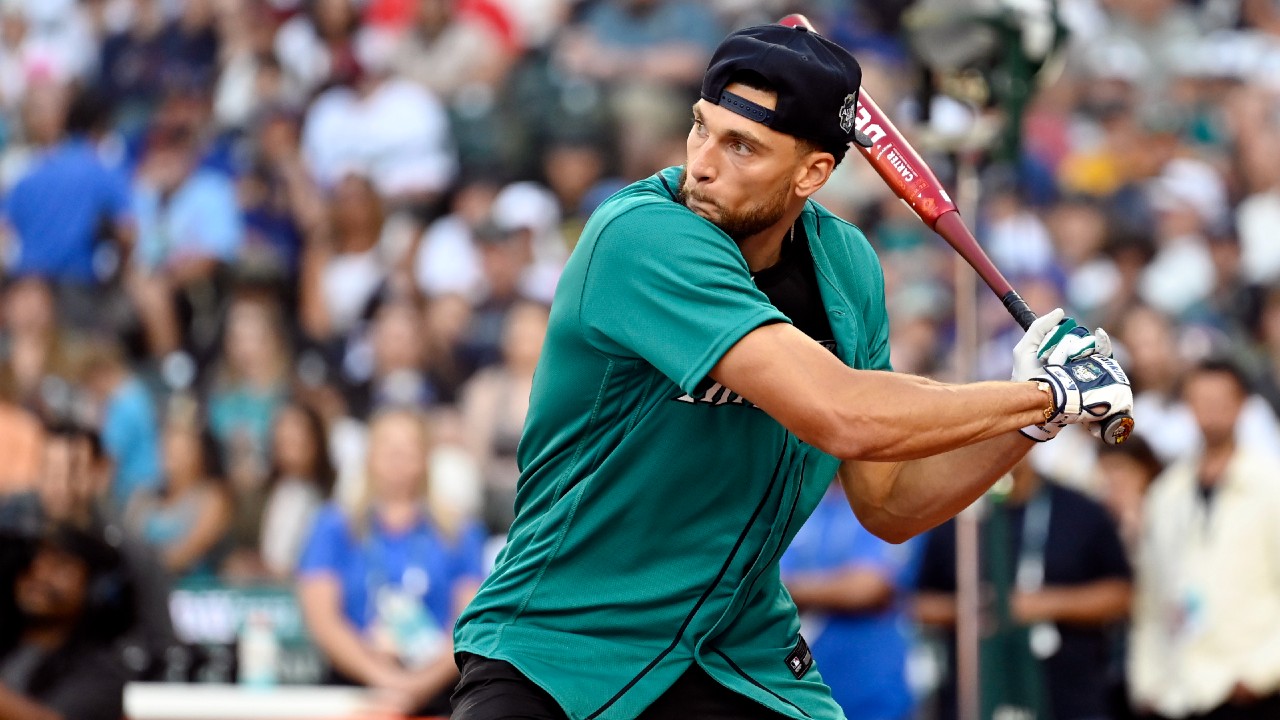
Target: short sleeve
column 666, row 286
column 324, row 551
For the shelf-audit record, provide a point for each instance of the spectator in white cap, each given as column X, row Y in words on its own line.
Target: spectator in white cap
column 529, row 209
column 450, row 256
column 1189, row 198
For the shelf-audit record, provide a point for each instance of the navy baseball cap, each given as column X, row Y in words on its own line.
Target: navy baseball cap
column 817, row 82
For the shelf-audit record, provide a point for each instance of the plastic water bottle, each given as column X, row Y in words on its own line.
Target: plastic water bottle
column 258, row 651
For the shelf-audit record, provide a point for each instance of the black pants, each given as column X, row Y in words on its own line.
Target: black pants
column 495, row 690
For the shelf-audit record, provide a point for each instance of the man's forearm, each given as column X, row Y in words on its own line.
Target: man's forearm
column 916, row 419
column 852, row 590
column 937, row 609
column 1093, row 603
column 900, row 500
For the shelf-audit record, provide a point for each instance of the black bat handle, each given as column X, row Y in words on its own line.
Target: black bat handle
column 1018, row 308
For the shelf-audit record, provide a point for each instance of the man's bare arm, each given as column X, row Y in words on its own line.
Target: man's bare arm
column 896, row 501
column 916, row 451
column 869, row 414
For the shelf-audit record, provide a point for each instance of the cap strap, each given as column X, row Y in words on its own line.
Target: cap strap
column 746, row 108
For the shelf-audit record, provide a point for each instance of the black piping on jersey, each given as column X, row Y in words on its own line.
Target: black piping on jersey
column 757, row 683
column 795, row 501
column 666, row 187
column 565, row 487
column 632, row 421
column 724, row 568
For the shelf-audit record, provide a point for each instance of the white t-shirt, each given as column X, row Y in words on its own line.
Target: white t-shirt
column 398, row 135
column 348, row 281
column 1257, row 219
column 286, row 522
column 447, row 260
column 1180, row 275
column 302, row 54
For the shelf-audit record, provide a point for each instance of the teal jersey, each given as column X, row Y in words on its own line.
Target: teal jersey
column 653, row 504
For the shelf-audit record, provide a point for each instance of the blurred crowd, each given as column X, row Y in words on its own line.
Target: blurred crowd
column 276, row 275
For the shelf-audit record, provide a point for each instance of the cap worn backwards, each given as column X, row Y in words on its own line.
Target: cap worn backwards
column 817, row 82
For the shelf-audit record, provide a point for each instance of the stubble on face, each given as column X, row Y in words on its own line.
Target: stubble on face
column 741, row 224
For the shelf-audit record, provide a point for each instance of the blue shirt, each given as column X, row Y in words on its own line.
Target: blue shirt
column 58, row 209
column 130, row 434
column 201, row 219
column 861, row 656
column 365, row 564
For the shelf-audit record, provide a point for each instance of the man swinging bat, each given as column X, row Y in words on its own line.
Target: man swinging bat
column 717, row 353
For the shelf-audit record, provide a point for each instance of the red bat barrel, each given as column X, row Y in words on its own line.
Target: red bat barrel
column 892, row 156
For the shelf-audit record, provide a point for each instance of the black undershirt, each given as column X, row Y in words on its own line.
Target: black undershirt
column 791, row 285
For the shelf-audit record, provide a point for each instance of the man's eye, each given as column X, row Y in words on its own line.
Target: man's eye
column 740, row 148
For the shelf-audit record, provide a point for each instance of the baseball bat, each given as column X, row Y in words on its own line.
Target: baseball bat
column 901, row 167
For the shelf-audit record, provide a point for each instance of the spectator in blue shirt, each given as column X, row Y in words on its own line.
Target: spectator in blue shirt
column 69, row 200
column 189, row 230
column 129, row 428
column 381, row 583
column 188, row 218
column 851, row 588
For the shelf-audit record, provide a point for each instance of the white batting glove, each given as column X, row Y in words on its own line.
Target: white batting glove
column 1076, row 344
column 1054, row 339
column 1043, row 432
column 1088, row 390
column 1040, row 339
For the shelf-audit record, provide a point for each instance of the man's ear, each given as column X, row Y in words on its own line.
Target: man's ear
column 814, row 172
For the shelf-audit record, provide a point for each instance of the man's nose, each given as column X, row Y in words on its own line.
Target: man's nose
column 702, row 167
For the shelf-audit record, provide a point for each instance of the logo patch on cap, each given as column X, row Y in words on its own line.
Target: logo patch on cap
column 847, row 112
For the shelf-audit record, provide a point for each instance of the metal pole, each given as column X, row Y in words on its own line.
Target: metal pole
column 968, row 670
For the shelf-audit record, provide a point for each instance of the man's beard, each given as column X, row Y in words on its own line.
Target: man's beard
column 744, row 224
